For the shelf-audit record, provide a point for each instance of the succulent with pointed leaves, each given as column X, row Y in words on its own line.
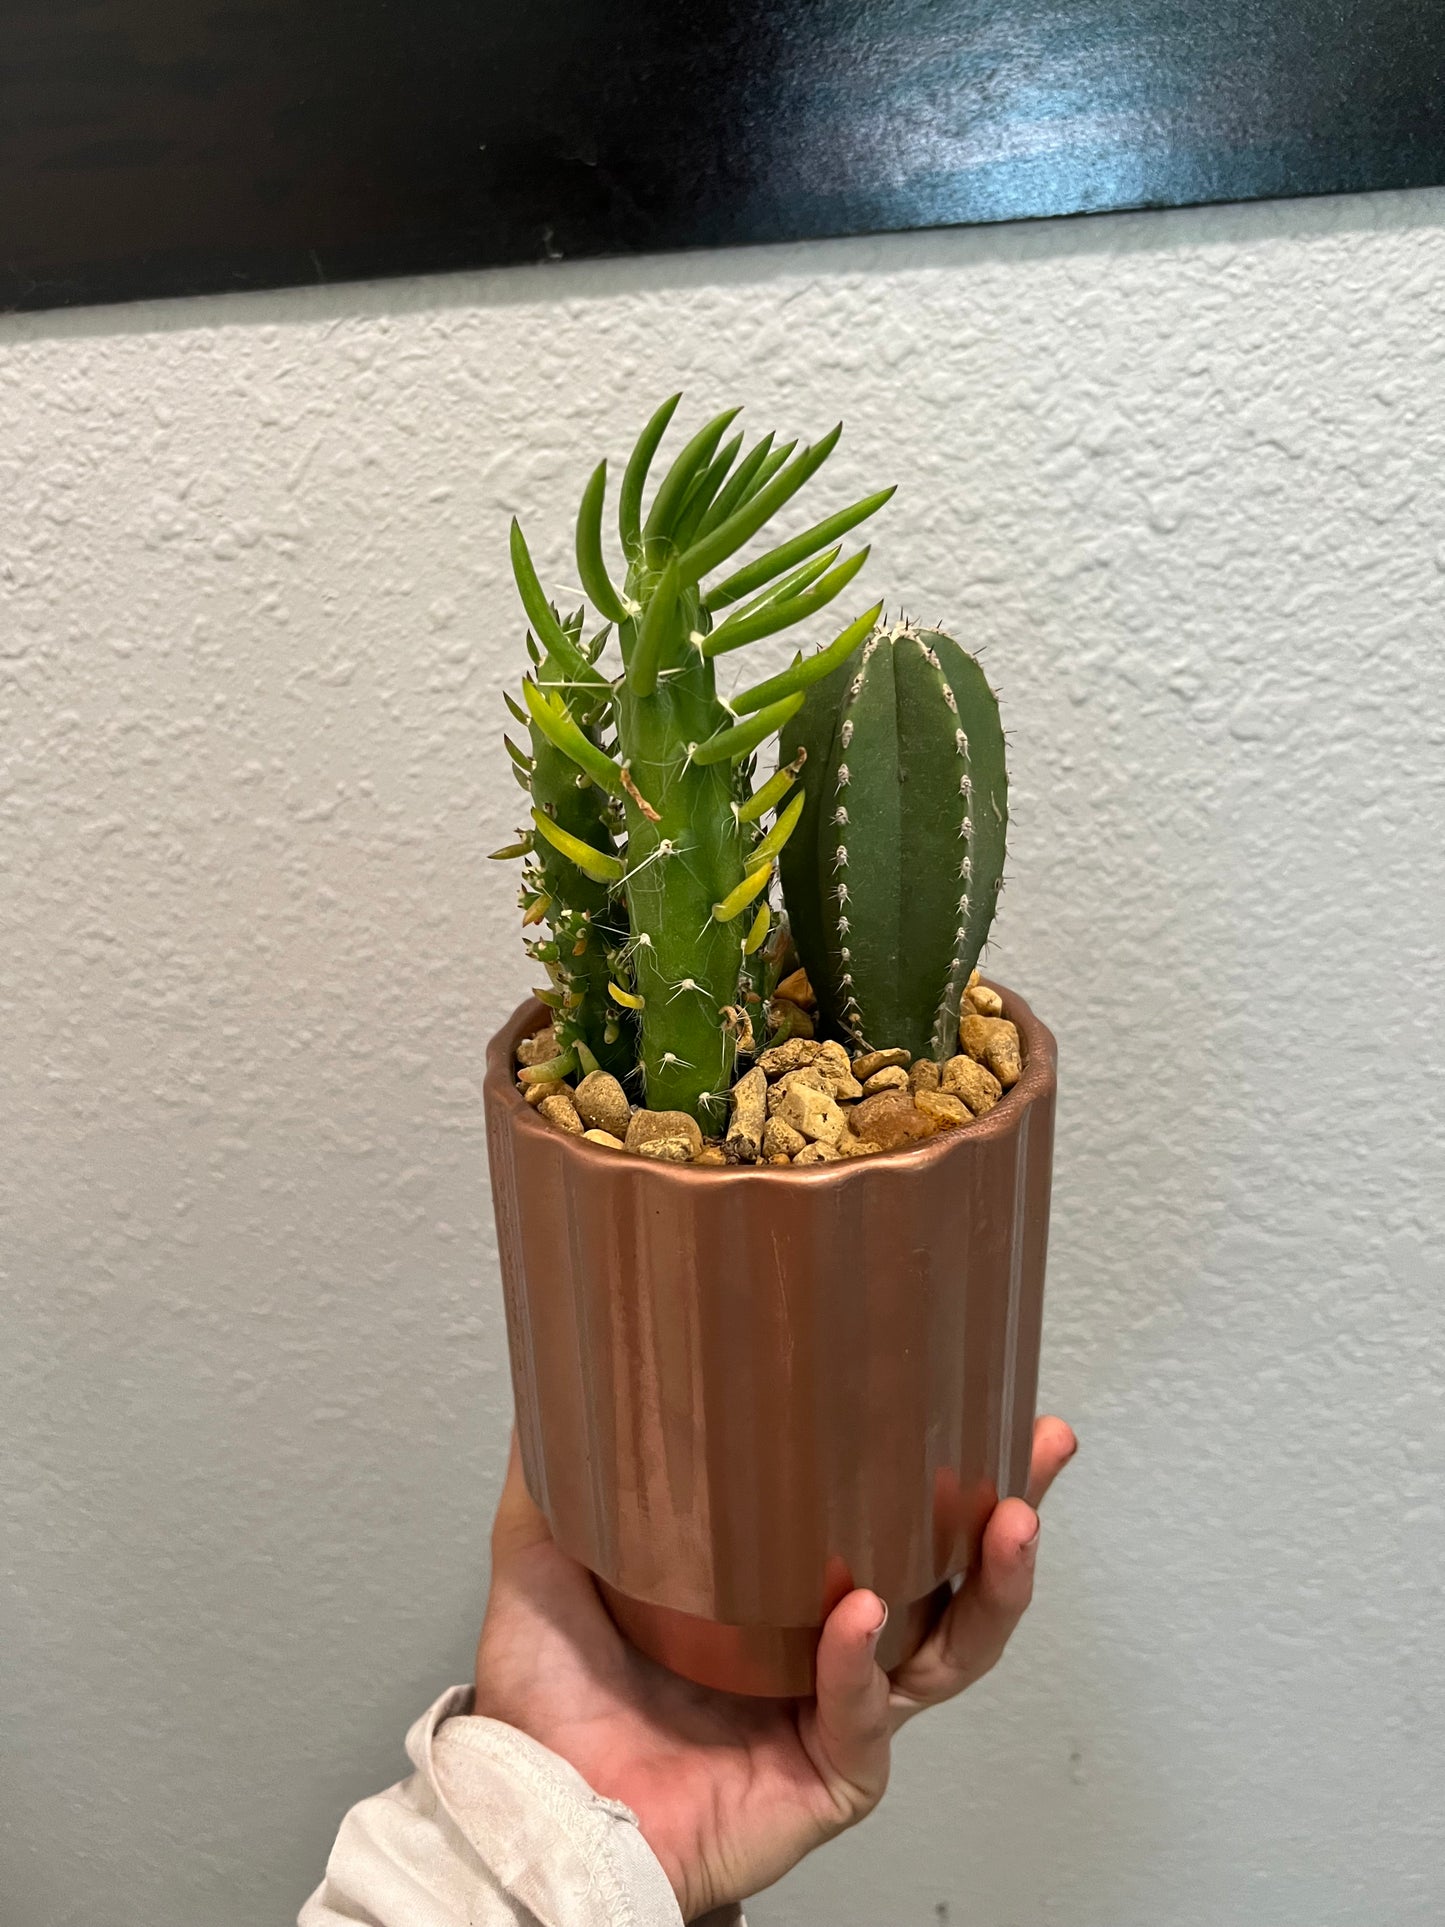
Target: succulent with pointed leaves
column 586, row 918
column 893, row 874
column 683, row 841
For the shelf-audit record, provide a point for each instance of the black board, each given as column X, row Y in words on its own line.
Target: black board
column 163, row 147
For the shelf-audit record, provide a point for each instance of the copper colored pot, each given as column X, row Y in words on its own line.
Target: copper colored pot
column 741, row 1391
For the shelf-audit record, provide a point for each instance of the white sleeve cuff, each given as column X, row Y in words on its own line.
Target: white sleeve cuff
column 491, row 1828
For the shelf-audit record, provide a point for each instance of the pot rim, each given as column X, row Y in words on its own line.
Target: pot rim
column 1039, row 1050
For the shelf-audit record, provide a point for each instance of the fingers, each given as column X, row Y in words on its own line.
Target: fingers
column 847, row 1736
column 969, row 1640
column 518, row 1523
column 1054, row 1445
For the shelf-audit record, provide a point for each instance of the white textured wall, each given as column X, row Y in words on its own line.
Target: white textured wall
column 1182, row 474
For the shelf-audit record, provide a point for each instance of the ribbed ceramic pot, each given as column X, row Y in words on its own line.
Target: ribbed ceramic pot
column 742, row 1391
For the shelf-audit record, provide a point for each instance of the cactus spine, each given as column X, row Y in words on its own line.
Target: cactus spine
column 893, row 875
column 676, row 832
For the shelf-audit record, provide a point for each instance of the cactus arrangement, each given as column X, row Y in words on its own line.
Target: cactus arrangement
column 652, row 846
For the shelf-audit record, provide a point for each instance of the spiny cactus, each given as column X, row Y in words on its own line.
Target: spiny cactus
column 689, row 855
column 893, row 874
column 586, row 923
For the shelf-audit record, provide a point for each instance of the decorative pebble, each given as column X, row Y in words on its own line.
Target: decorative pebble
column 814, row 1113
column 890, row 1119
column 995, row 1042
column 923, row 1076
column 710, row 1154
column 986, row 1002
column 605, row 1137
column 790, row 1055
column 832, row 1061
column 666, row 1150
column 781, row 1139
column 879, row 1060
column 819, row 1153
column 602, row 1103
column 561, row 1112
column 857, row 1147
column 648, row 1128
column 750, row 1108
column 946, row 1109
column 979, row 1088
column 808, row 1074
column 892, row 1077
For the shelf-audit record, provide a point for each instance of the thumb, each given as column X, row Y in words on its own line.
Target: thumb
column 848, row 1732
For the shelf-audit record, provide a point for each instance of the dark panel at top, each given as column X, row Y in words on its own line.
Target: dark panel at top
column 178, row 146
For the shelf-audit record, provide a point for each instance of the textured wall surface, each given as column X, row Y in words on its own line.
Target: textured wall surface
column 1182, row 476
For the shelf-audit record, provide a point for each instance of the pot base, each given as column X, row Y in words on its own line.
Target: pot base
column 766, row 1662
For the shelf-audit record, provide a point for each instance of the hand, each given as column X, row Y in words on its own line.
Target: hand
column 731, row 1792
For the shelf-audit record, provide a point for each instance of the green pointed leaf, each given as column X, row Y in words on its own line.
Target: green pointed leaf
column 783, row 613
column 634, row 478
column 778, row 835
column 703, row 491
column 744, row 522
column 551, row 717
column 672, row 490
column 736, row 901
column 777, row 560
column 755, row 936
column 728, row 744
column 590, row 564
column 557, row 641
column 769, row 461
column 810, row 669
column 657, row 619
column 600, row 865
column 772, row 792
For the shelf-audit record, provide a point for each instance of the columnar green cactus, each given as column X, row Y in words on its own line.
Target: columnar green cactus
column 586, row 922
column 892, row 877
column 690, row 856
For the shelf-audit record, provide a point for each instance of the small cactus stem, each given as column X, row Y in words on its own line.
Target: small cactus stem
column 910, row 738
column 581, row 910
column 684, row 1051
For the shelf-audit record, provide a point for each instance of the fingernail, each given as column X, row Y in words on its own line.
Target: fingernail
column 877, row 1632
column 1030, row 1547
